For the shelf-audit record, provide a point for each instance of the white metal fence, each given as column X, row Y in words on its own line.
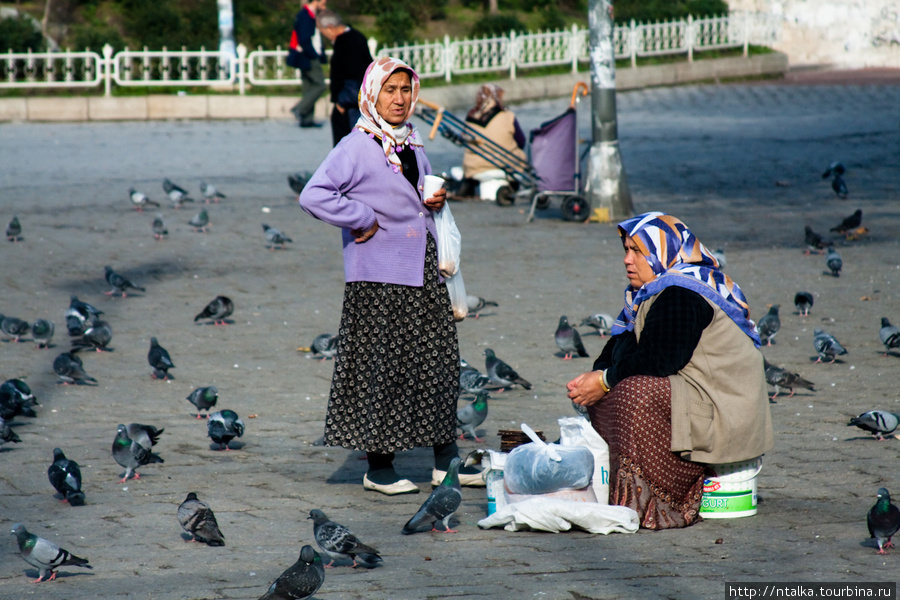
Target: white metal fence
column 442, row 59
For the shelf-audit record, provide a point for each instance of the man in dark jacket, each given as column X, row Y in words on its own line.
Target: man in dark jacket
column 349, row 61
column 310, row 62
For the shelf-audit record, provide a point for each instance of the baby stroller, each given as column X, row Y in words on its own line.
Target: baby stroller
column 554, row 167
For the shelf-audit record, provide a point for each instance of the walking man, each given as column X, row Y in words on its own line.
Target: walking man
column 311, row 58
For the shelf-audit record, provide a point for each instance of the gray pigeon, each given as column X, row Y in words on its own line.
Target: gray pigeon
column 65, row 477
column 16, row 399
column 849, row 223
column 803, row 301
column 833, row 261
column 177, row 194
column 145, row 435
column 7, row 435
column 14, row 230
column 827, row 346
column 159, row 227
column 501, row 373
column 890, row 335
column 814, row 241
column 14, row 327
column 475, row 304
column 769, row 325
column 274, row 238
column 439, row 506
column 42, row 331
column 470, row 379
column 200, row 221
column 97, row 337
column 300, row 580
column 118, row 283
column 84, row 309
column 131, row 455
column 218, row 309
column 835, row 168
column 338, row 543
column 210, row 193
column 883, row 521
column 568, row 340
column 204, row 398
column 159, row 360
column 44, row 554
column 472, row 415
column 840, row 187
column 223, row 426
column 69, row 368
column 297, row 181
column 325, row 345
column 877, row 422
column 782, row 379
column 719, row 255
column 599, row 321
column 197, row 518
column 139, row 200
column 79, row 316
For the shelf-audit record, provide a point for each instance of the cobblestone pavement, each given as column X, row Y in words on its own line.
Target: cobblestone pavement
column 740, row 163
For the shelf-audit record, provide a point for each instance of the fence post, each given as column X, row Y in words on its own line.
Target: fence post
column 689, row 34
column 633, row 42
column 107, row 69
column 373, row 46
column 241, row 67
column 574, row 46
column 448, row 60
column 746, row 32
column 512, row 55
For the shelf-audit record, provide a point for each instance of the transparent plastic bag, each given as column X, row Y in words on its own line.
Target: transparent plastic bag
column 578, row 431
column 457, row 290
column 449, row 242
column 541, row 468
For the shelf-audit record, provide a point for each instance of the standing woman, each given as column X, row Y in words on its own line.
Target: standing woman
column 681, row 383
column 396, row 373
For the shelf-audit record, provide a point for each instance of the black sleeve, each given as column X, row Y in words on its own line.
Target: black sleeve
column 670, row 335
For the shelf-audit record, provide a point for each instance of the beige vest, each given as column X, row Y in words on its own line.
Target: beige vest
column 501, row 129
column 720, row 406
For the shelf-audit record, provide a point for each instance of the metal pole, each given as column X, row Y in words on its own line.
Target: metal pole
column 607, row 185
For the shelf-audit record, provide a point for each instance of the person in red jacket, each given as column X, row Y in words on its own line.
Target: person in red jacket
column 309, row 61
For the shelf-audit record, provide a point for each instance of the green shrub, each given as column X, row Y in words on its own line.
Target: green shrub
column 666, row 10
column 497, row 25
column 394, row 27
column 19, row 34
column 551, row 18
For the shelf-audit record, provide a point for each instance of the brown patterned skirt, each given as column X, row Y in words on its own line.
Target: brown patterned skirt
column 645, row 475
column 396, row 373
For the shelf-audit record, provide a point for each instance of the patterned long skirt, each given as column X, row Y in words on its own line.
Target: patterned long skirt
column 645, row 475
column 396, row 373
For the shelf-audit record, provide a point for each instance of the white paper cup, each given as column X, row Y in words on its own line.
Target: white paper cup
column 432, row 184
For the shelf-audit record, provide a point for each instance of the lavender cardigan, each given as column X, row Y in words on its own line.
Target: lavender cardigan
column 352, row 188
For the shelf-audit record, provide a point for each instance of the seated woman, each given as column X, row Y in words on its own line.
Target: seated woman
column 681, row 382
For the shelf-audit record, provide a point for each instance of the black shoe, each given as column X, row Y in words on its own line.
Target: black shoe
column 307, row 124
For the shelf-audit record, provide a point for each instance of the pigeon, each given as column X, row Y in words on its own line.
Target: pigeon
column 16, row 399
column 599, row 321
column 840, row 187
column 274, row 238
column 301, row 580
column 97, row 336
column 7, row 435
column 849, row 223
column 65, row 477
column 835, row 168
column 119, row 283
column 140, row 200
column 200, row 221
column 297, row 181
column 197, row 518
column 890, row 335
column 223, row 426
column 501, row 373
column 472, row 415
column 827, row 346
column 145, row 435
column 439, row 506
column 177, row 194
column 833, row 261
column 218, row 309
column 338, row 543
column 14, row 327
column 814, row 241
column 719, row 255
column 159, row 360
column 14, row 230
column 44, row 554
column 159, row 228
column 568, row 340
column 204, row 398
column 69, row 368
column 877, row 422
column 803, row 301
column 79, row 316
column 131, row 455
column 883, row 521
column 84, row 309
column 42, row 332
column 476, row 303
column 325, row 345
column 769, row 325
column 782, row 379
column 210, row 193
column 471, row 380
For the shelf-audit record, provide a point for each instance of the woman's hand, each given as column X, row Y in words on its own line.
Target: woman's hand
column 362, row 236
column 585, row 389
column 436, row 202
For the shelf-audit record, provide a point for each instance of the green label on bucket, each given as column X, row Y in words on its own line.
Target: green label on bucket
column 727, row 502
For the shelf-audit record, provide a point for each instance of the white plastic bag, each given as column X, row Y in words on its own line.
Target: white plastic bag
column 541, row 468
column 542, row 514
column 578, row 431
column 457, row 290
column 449, row 242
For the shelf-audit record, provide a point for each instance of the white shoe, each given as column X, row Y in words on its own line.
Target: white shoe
column 465, row 479
column 404, row 486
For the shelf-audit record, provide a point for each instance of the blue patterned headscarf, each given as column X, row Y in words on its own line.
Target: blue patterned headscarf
column 678, row 258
